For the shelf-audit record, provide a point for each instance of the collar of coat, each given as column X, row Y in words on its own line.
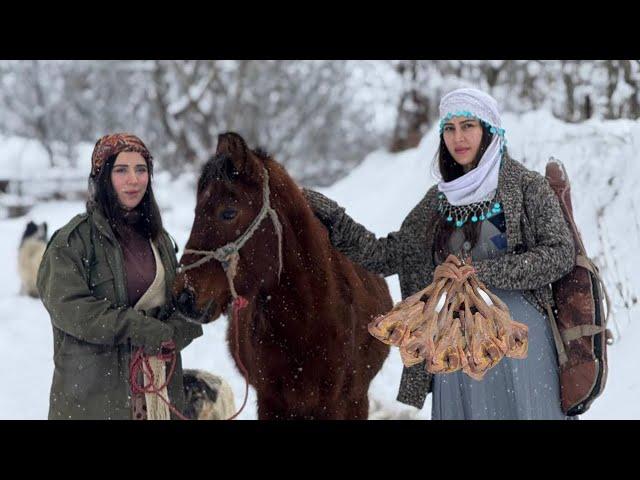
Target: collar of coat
column 102, row 224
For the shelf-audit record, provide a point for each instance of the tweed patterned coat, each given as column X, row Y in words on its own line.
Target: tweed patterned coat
column 540, row 249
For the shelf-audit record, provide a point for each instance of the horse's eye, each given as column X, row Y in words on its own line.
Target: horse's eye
column 228, row 214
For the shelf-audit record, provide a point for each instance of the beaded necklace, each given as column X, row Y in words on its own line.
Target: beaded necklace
column 474, row 212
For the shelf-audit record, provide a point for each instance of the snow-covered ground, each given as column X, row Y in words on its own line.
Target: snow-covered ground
column 598, row 155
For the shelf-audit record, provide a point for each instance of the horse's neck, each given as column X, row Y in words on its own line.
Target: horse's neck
column 303, row 246
column 306, row 263
column 307, row 252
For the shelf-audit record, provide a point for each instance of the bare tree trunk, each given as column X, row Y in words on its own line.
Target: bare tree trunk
column 491, row 74
column 527, row 88
column 613, row 73
column 184, row 149
column 587, row 109
column 569, row 89
column 40, row 120
column 634, row 83
column 413, row 112
column 237, row 98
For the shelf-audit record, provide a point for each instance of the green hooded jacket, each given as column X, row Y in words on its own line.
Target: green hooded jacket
column 82, row 284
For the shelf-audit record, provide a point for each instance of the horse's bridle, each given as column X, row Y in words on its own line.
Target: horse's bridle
column 229, row 254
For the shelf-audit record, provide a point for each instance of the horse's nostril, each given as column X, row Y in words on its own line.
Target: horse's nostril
column 186, row 299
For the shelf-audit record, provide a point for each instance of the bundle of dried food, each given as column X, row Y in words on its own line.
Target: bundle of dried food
column 455, row 323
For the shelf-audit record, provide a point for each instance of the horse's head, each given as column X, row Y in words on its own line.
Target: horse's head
column 229, row 212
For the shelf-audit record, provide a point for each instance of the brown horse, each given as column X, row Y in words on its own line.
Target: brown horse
column 303, row 336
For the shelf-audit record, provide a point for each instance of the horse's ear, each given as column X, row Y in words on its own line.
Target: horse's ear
column 235, row 147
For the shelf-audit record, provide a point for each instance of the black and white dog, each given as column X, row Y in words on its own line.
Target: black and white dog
column 32, row 247
column 207, row 396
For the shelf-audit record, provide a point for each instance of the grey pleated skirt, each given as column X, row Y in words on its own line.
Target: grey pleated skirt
column 526, row 389
column 513, row 389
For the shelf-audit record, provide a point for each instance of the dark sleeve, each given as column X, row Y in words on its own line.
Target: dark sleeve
column 184, row 331
column 377, row 255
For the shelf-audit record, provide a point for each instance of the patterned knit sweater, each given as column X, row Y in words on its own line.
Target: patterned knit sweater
column 539, row 249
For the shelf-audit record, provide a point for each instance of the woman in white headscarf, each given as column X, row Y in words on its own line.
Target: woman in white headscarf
column 508, row 219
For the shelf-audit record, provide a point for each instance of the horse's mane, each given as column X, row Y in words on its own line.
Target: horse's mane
column 290, row 196
column 220, row 167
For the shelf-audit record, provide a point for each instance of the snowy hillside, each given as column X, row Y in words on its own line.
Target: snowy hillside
column 600, row 159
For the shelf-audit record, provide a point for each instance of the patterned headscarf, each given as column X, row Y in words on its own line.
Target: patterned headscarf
column 481, row 183
column 471, row 102
column 113, row 144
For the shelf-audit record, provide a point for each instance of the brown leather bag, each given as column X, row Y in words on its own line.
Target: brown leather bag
column 580, row 321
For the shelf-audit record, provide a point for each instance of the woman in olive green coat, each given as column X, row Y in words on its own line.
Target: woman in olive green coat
column 105, row 280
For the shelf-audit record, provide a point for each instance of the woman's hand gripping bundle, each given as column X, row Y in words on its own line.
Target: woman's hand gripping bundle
column 455, row 323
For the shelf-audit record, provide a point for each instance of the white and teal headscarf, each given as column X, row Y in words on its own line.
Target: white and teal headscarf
column 481, row 183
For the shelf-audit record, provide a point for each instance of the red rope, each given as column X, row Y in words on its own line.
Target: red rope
column 140, row 363
column 239, row 304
